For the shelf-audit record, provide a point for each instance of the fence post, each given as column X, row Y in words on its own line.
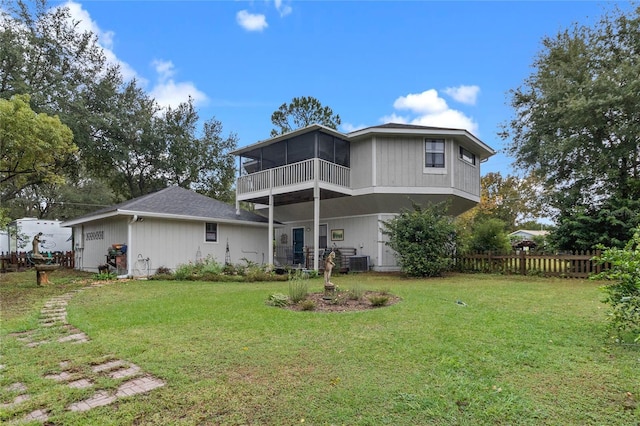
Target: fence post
column 523, row 263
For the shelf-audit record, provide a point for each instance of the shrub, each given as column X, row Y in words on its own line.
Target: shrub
column 623, row 294
column 278, row 299
column 378, row 301
column 307, row 305
column 356, row 292
column 298, row 288
column 163, row 270
column 424, row 240
column 185, row 271
column 210, row 266
column 105, row 276
column 490, row 235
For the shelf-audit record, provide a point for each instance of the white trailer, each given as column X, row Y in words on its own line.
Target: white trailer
column 4, row 241
column 54, row 237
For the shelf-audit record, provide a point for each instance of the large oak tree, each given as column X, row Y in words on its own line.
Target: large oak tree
column 576, row 124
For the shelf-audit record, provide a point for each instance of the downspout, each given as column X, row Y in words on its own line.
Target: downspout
column 133, row 220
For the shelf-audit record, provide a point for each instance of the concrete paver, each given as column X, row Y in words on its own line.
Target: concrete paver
column 54, row 314
column 107, row 366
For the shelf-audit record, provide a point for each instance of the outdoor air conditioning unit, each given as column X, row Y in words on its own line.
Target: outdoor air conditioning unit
column 358, row 263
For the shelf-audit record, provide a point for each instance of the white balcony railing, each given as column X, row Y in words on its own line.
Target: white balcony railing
column 293, row 174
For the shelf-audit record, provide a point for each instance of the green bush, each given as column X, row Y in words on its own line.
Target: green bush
column 307, row 305
column 356, row 292
column 378, row 301
column 298, row 288
column 623, row 294
column 185, row 271
column 278, row 299
column 105, row 276
column 424, row 240
column 490, row 235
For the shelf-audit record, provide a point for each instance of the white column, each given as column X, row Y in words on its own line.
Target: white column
column 316, row 214
column 270, row 251
column 270, row 229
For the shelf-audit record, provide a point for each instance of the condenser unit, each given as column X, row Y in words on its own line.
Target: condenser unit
column 358, row 263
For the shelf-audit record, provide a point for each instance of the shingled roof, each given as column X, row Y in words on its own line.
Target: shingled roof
column 174, row 202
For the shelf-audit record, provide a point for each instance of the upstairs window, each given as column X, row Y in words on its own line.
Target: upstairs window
column 467, row 156
column 434, row 153
column 211, row 232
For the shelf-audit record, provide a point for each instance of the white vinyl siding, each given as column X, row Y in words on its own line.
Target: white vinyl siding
column 400, row 163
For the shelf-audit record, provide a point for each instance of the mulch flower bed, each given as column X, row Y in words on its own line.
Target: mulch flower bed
column 342, row 303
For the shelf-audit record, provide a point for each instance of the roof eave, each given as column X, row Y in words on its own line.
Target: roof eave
column 289, row 135
column 131, row 213
column 487, row 150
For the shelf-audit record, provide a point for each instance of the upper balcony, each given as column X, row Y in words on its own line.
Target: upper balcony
column 289, row 166
column 294, row 178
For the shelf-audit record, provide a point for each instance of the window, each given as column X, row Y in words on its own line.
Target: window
column 434, row 153
column 211, row 232
column 467, row 156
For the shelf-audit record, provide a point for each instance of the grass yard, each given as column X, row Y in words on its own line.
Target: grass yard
column 524, row 351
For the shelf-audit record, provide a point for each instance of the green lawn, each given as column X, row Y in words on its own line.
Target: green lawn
column 523, row 351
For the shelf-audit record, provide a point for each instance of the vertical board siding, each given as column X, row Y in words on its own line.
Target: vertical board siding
column 467, row 177
column 169, row 243
column 93, row 250
column 360, row 233
column 361, row 169
column 399, row 164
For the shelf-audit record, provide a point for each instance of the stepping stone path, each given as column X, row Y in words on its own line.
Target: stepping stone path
column 53, row 316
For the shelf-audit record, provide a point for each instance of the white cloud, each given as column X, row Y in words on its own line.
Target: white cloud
column 463, row 94
column 250, row 21
column 164, row 69
column 167, row 92
column 429, row 109
column 283, row 9
column 348, row 127
column 426, row 102
column 105, row 38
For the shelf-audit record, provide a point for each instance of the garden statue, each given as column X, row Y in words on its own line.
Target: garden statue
column 329, row 263
column 39, row 261
column 36, row 244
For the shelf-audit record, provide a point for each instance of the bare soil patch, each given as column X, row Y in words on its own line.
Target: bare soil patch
column 342, row 303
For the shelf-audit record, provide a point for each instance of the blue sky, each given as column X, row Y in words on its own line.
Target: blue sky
column 447, row 64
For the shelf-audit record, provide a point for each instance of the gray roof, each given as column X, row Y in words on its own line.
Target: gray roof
column 175, row 202
column 402, row 126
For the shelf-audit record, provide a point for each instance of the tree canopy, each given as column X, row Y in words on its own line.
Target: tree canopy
column 124, row 138
column 576, row 120
column 302, row 112
column 33, row 147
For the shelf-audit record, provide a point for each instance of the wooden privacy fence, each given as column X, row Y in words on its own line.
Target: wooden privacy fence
column 569, row 265
column 18, row 261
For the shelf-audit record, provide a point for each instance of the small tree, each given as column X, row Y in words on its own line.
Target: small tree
column 623, row 294
column 489, row 235
column 424, row 240
column 301, row 112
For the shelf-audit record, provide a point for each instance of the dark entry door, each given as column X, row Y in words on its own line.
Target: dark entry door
column 298, row 245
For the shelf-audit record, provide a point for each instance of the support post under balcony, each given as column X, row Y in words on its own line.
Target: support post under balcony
column 316, row 215
column 270, row 250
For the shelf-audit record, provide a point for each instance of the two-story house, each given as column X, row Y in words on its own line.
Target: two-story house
column 327, row 189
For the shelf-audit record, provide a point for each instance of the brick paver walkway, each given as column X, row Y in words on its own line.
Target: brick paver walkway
column 53, row 316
